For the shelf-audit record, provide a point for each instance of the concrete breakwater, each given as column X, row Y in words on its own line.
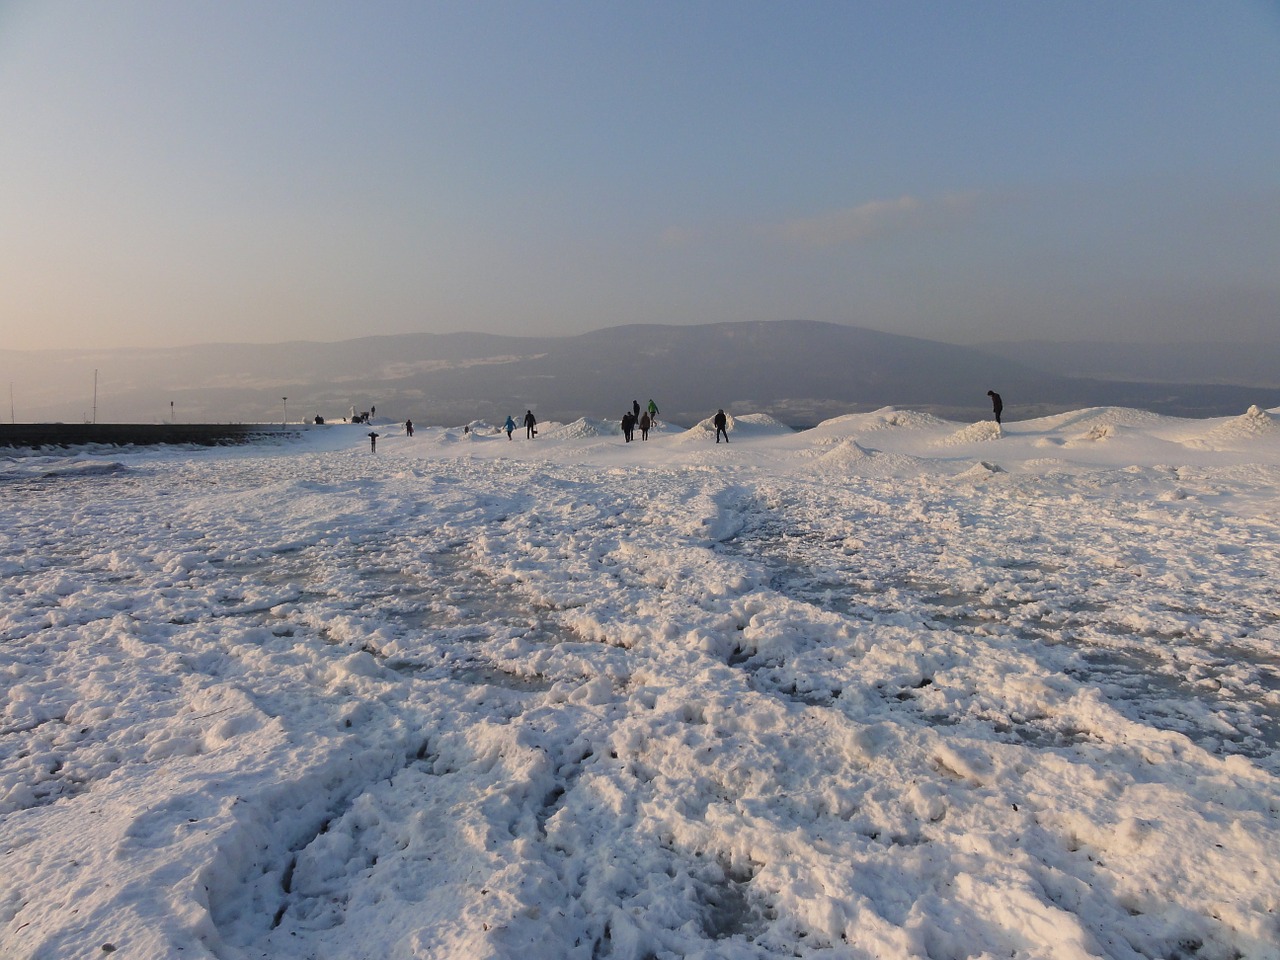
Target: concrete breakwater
column 40, row 435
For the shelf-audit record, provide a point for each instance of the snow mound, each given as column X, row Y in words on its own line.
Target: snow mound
column 980, row 432
column 584, row 428
column 747, row 425
column 1254, row 424
column 467, row 433
column 1052, row 466
column 907, row 419
column 1086, row 420
column 757, row 424
column 1097, row 432
column 474, row 430
column 980, row 471
column 450, row 436
column 886, row 418
column 844, row 453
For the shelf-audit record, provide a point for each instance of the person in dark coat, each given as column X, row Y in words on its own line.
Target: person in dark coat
column 408, row 427
column 373, row 443
column 722, row 424
column 635, row 410
column 628, row 426
column 530, row 425
column 997, row 405
column 645, row 423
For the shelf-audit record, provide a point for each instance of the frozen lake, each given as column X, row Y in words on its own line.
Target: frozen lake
column 890, row 687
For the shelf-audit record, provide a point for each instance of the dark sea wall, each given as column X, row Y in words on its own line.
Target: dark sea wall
column 39, row 435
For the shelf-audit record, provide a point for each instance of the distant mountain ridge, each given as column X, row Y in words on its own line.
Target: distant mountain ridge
column 801, row 372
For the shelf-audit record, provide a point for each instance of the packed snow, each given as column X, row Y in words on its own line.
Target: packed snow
column 890, row 687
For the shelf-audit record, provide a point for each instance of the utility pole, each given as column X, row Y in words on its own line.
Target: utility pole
column 95, row 394
column 171, row 420
column 285, row 422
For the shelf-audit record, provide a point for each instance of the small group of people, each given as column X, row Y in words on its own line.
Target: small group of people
column 646, row 420
column 629, row 424
column 373, row 434
column 530, row 425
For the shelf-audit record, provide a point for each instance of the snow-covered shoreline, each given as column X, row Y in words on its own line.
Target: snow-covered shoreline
column 893, row 686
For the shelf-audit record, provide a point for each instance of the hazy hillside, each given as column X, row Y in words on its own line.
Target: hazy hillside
column 1242, row 364
column 799, row 371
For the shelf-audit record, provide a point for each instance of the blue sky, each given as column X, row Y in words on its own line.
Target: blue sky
column 175, row 173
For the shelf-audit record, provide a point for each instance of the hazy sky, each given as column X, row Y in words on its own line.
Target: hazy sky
column 183, row 172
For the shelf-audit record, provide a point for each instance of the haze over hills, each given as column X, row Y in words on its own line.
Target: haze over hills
column 1242, row 364
column 799, row 371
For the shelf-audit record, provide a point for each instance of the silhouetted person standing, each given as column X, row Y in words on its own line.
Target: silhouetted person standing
column 628, row 425
column 408, row 427
column 530, row 424
column 997, row 405
column 722, row 424
column 645, row 424
column 373, row 443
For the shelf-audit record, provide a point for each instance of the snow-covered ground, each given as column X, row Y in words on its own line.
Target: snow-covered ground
column 891, row 687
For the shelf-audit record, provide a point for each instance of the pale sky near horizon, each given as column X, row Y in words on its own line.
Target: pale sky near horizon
column 223, row 170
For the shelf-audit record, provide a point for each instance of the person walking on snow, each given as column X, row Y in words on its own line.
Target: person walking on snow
column 722, row 425
column 408, row 427
column 645, row 424
column 530, row 423
column 997, row 405
column 653, row 413
column 509, row 426
column 628, row 425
